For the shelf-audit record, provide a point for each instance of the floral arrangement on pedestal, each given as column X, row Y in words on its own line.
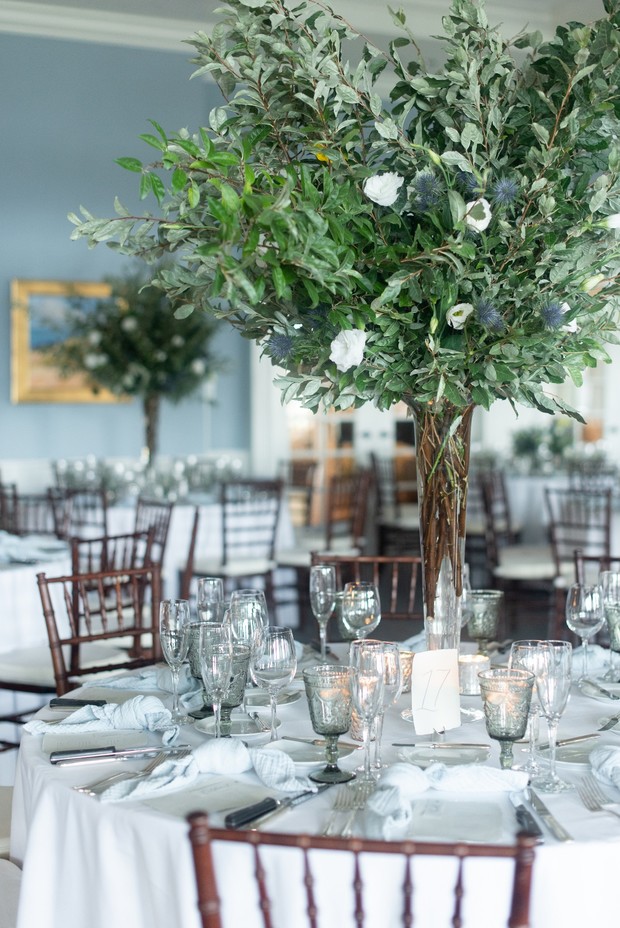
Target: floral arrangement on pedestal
column 132, row 345
column 389, row 233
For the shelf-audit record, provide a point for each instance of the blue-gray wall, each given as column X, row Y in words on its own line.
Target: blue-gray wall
column 68, row 109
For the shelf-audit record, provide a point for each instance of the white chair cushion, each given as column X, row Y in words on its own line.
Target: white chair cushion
column 296, row 558
column 6, row 802
column 34, row 665
column 243, row 567
column 10, row 882
column 526, row 562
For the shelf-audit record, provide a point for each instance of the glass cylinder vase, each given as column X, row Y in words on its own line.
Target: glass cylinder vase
column 442, row 438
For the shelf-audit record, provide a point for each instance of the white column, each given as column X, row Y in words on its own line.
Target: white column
column 269, row 439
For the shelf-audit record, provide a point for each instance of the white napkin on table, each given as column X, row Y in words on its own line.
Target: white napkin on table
column 605, row 763
column 141, row 712
column 220, row 756
column 159, row 679
column 598, row 659
column 388, row 813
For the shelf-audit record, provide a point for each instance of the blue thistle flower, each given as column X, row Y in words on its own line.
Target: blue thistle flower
column 468, row 182
column 489, row 317
column 428, row 190
column 552, row 315
column 279, row 347
column 505, row 191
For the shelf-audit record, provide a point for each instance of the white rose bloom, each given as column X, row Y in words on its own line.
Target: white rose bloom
column 383, row 188
column 478, row 214
column 613, row 221
column 129, row 324
column 198, row 367
column 457, row 316
column 347, row 349
column 592, row 282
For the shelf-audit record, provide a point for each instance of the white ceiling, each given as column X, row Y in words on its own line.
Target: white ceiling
column 163, row 24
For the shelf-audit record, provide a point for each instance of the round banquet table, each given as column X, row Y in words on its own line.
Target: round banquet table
column 129, row 863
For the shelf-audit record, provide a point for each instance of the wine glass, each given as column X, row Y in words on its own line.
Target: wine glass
column 524, row 654
column 174, row 621
column 553, row 682
column 247, row 619
column 322, row 599
column 328, row 690
column 610, row 587
column 366, row 660
column 584, row 616
column 392, row 688
column 506, row 697
column 216, row 658
column 361, row 608
column 483, row 610
column 255, row 596
column 210, row 591
column 273, row 664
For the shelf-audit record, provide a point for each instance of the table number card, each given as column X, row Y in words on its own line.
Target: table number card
column 435, row 702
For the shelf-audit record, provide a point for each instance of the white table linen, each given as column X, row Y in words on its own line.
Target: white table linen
column 129, row 863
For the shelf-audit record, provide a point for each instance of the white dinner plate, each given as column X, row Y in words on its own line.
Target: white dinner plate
column 423, row 756
column 241, row 728
column 260, row 698
column 306, row 755
column 578, row 753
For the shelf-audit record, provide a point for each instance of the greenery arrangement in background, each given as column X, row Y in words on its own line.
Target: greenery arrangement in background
column 543, row 450
column 453, row 246
column 132, row 345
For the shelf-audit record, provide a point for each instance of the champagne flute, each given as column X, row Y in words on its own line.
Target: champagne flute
column 174, row 621
column 247, row 620
column 610, row 588
column 273, row 665
column 322, row 599
column 553, row 682
column 524, row 654
column 361, row 608
column 366, row 660
column 392, row 688
column 216, row 661
column 584, row 616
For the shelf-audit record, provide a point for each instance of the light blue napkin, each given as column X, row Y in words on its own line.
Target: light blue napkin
column 140, row 713
column 158, row 678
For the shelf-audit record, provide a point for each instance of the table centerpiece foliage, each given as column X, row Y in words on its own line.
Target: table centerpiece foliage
column 388, row 232
column 131, row 344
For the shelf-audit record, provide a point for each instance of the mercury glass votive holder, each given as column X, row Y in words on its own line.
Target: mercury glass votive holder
column 470, row 665
column 483, row 613
column 328, row 691
column 506, row 696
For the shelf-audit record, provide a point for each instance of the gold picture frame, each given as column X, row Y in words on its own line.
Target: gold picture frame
column 34, row 305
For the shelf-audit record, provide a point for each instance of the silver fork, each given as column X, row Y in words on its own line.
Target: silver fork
column 362, row 791
column 95, row 789
column 260, row 723
column 345, row 800
column 594, row 799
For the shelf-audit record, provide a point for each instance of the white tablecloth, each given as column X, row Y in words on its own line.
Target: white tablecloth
column 129, row 864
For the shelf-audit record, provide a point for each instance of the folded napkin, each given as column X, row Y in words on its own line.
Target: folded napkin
column 388, row 813
column 141, row 712
column 605, row 763
column 598, row 659
column 159, row 679
column 220, row 756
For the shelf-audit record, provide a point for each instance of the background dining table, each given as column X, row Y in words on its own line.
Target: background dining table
column 89, row 862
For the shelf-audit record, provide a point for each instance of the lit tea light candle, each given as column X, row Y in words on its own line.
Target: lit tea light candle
column 470, row 665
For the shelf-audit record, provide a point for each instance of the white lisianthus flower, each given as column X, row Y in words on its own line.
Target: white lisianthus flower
column 347, row 349
column 457, row 316
column 129, row 323
column 478, row 214
column 198, row 367
column 383, row 188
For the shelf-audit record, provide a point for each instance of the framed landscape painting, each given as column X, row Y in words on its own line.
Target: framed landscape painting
column 38, row 308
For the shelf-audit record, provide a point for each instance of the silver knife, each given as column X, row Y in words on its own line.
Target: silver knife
column 610, row 723
column 321, row 742
column 268, row 807
column 575, row 740
column 558, row 831
column 105, row 754
column 525, row 819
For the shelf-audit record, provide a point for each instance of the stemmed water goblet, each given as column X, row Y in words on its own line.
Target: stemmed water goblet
column 524, row 654
column 174, row 622
column 392, row 688
column 361, row 608
column 256, row 597
column 322, row 599
column 328, row 690
column 609, row 581
column 506, row 697
column 553, row 682
column 216, row 662
column 273, row 665
column 366, row 661
column 483, row 611
column 584, row 616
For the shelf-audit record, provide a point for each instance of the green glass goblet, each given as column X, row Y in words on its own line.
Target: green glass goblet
column 506, row 697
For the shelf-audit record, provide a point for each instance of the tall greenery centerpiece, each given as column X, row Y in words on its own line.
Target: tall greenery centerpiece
column 389, row 233
column 132, row 345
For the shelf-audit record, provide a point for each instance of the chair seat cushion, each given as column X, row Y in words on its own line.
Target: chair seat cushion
column 526, row 562
column 10, row 882
column 34, row 665
column 243, row 567
column 300, row 558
